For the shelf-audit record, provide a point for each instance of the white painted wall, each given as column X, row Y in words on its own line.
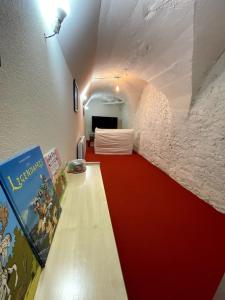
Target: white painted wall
column 192, row 151
column 78, row 38
column 35, row 85
column 96, row 108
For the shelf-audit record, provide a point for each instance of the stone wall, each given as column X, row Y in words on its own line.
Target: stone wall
column 191, row 151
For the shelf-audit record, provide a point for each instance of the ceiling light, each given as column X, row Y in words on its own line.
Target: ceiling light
column 117, row 86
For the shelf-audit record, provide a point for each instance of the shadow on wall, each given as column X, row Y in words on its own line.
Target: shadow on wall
column 209, row 40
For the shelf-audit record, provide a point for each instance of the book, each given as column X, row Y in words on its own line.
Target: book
column 31, row 194
column 60, row 183
column 53, row 161
column 56, row 170
column 19, row 269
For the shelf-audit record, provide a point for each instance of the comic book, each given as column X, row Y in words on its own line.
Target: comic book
column 19, row 269
column 56, row 171
column 29, row 188
column 53, row 161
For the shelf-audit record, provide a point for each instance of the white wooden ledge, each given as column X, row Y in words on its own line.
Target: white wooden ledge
column 83, row 262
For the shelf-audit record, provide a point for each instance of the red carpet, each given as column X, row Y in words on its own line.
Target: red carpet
column 171, row 244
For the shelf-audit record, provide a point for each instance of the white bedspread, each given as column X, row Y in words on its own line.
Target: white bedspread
column 114, row 141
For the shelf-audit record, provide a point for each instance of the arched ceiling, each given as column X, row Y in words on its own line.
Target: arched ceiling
column 162, row 42
column 152, row 40
column 105, row 87
column 138, row 36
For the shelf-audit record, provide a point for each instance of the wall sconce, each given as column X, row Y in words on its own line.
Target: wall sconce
column 60, row 16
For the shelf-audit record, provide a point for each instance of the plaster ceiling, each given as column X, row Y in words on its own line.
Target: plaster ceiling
column 130, row 89
column 151, row 40
column 162, row 42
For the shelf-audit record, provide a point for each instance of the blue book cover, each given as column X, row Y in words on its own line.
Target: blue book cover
column 31, row 194
column 19, row 269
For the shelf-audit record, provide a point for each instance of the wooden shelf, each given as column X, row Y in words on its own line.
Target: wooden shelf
column 83, row 262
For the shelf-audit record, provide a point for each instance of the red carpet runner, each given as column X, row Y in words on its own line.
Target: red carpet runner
column 171, row 244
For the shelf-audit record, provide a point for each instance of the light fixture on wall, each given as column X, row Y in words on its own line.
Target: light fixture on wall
column 60, row 16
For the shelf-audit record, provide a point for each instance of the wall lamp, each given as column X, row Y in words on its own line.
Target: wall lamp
column 60, row 16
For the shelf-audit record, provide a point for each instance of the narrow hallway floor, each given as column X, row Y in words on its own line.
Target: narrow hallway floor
column 171, row 244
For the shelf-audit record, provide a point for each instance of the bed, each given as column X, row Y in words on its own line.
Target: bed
column 114, row 141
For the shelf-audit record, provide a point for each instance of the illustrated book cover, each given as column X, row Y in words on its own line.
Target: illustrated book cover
column 53, row 161
column 19, row 269
column 27, row 183
column 56, row 170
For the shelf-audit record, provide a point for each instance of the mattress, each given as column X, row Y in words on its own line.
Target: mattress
column 114, row 141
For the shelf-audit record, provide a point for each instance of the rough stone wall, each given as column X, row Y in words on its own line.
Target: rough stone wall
column 153, row 127
column 191, row 151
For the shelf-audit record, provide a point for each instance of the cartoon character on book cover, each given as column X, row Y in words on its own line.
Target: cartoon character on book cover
column 46, row 209
column 18, row 266
column 56, row 171
column 32, row 195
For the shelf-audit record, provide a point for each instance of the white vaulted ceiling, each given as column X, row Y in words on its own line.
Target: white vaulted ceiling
column 162, row 42
column 150, row 40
